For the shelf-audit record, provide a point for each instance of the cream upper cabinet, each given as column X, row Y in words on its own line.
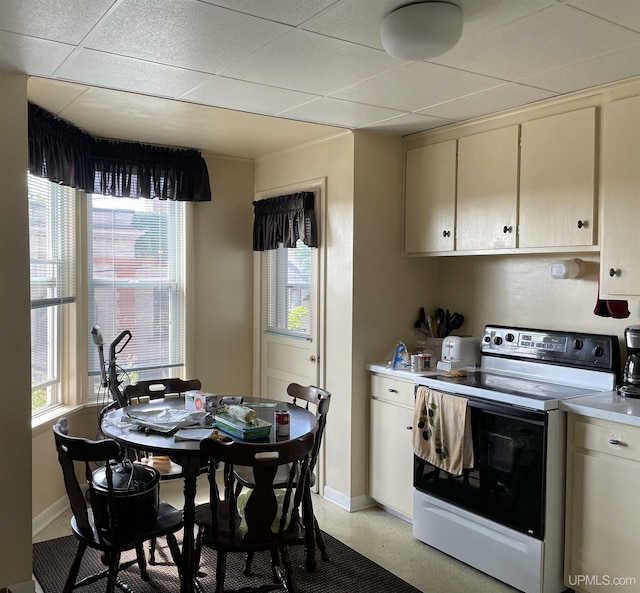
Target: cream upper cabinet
column 557, row 180
column 487, row 190
column 620, row 239
column 430, row 195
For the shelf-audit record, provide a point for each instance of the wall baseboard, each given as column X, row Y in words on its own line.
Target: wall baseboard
column 348, row 503
column 25, row 587
column 48, row 516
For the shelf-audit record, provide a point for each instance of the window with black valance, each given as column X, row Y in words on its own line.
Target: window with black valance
column 64, row 154
column 283, row 220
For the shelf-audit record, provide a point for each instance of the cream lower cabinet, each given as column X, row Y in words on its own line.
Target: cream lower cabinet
column 603, row 510
column 620, row 239
column 391, row 447
column 557, row 181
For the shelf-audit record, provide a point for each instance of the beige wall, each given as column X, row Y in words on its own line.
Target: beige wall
column 372, row 292
column 223, row 279
column 15, row 419
column 517, row 290
column 333, row 160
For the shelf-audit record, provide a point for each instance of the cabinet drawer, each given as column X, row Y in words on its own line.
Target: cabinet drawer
column 610, row 438
column 392, row 390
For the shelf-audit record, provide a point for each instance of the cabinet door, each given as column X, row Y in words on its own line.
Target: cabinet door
column 430, row 193
column 605, row 523
column 557, row 181
column 391, row 456
column 487, row 190
column 621, row 199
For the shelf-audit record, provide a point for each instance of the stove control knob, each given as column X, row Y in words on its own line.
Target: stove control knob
column 598, row 351
column 497, row 340
column 487, row 339
column 578, row 344
column 509, row 337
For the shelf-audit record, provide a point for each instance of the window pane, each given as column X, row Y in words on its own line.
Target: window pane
column 289, row 304
column 136, row 283
column 52, row 252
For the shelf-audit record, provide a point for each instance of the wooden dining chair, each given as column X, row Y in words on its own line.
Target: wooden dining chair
column 110, row 530
column 157, row 389
column 320, row 400
column 267, row 518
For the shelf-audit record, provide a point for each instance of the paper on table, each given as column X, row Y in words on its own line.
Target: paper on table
column 193, row 434
column 165, row 419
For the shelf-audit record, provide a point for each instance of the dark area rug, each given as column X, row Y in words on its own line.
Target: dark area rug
column 346, row 572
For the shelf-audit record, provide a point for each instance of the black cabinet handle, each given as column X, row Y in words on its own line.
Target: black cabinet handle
column 446, row 233
column 613, row 272
column 616, row 442
column 409, row 427
column 392, row 390
column 506, row 229
column 582, row 223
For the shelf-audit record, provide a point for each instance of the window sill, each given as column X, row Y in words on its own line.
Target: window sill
column 44, row 422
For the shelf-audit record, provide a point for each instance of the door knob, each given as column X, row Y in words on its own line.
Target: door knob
column 312, row 358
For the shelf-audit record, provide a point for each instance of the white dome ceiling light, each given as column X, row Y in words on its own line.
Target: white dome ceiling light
column 421, row 31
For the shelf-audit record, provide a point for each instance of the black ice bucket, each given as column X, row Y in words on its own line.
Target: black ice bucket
column 137, row 496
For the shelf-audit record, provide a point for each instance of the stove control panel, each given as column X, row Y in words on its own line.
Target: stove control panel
column 593, row 351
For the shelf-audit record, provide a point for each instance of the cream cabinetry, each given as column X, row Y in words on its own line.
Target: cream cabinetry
column 430, row 195
column 487, row 193
column 557, row 180
column 391, row 448
column 620, row 239
column 602, row 518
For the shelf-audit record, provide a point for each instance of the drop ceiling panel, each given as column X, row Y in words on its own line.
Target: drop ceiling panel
column 505, row 96
column 417, row 85
column 57, row 20
column 408, row 123
column 138, row 76
column 601, row 70
column 30, row 54
column 623, row 12
column 546, row 40
column 290, row 12
column 311, row 63
column 246, row 96
column 192, row 35
column 341, row 113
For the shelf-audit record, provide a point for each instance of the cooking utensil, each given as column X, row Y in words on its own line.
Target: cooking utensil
column 454, row 322
column 439, row 320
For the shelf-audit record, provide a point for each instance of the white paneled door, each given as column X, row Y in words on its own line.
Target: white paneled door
column 289, row 336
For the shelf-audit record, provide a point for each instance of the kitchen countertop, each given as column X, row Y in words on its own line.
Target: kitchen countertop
column 383, row 369
column 606, row 406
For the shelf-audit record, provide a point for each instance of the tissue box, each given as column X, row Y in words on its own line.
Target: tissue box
column 200, row 401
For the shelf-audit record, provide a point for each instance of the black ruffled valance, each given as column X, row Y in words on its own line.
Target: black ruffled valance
column 284, row 220
column 64, row 154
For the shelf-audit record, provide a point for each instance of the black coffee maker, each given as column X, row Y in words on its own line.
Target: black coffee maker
column 631, row 377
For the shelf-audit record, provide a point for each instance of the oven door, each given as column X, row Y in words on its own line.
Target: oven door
column 507, row 484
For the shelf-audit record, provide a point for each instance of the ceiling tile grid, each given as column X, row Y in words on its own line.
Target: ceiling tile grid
column 321, row 61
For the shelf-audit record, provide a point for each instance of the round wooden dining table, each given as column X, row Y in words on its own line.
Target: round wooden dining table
column 114, row 426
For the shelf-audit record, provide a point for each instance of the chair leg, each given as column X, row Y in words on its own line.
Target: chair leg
column 112, row 576
column 175, row 551
column 247, row 564
column 142, row 562
column 275, row 565
column 221, row 569
column 75, row 568
column 152, row 551
column 289, row 584
column 320, row 540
